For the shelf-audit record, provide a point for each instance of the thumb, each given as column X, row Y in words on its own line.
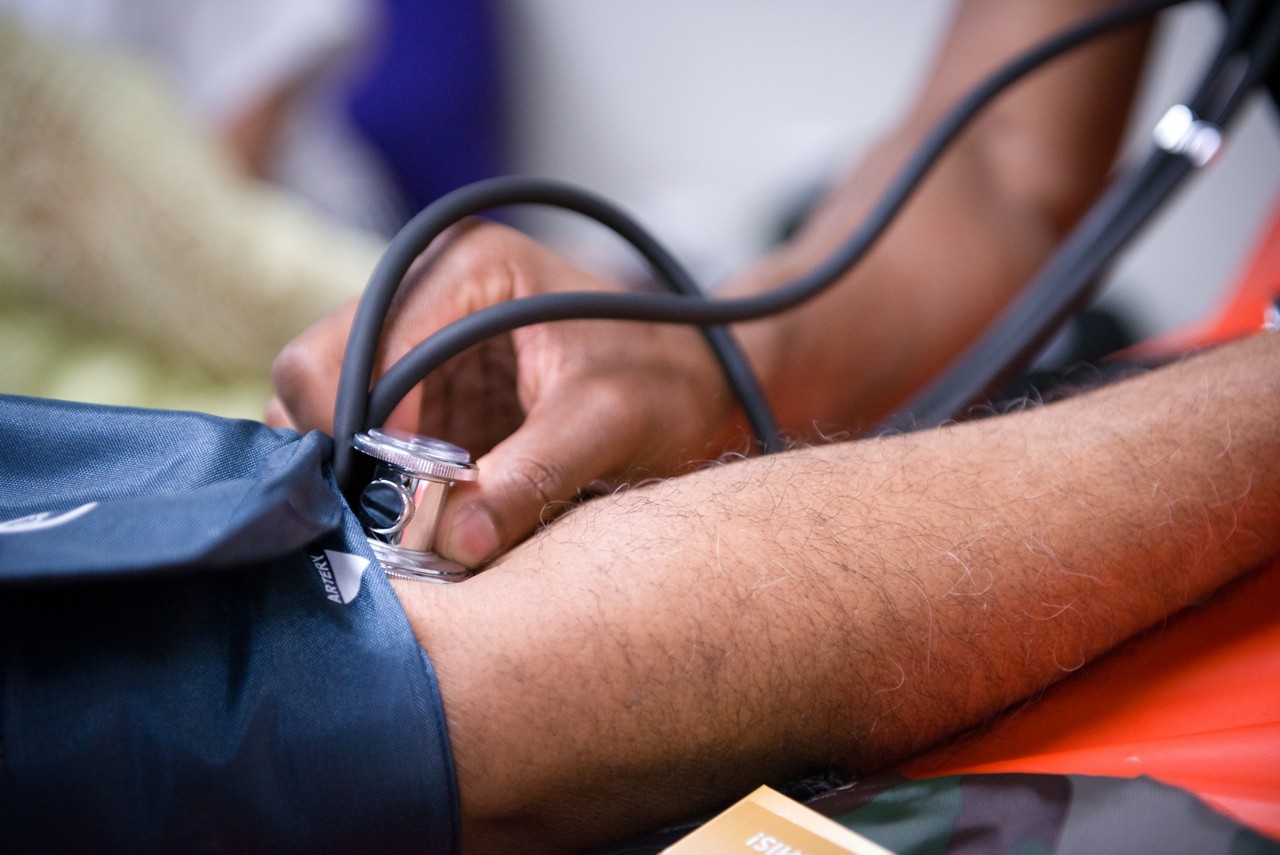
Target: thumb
column 522, row 480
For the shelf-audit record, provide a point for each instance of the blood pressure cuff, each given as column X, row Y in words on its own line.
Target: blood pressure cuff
column 197, row 649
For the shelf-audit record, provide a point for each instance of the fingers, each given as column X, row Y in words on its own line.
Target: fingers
column 470, row 401
column 584, row 398
column 440, row 288
column 305, row 374
column 528, row 478
column 277, row 415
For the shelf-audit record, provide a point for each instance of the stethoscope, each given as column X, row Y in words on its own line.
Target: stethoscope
column 397, row 482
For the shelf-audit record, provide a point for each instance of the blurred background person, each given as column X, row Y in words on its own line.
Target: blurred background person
column 186, row 185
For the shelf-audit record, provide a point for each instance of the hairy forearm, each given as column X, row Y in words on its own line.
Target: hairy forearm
column 656, row 652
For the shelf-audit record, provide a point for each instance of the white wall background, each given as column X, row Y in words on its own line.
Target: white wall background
column 707, row 117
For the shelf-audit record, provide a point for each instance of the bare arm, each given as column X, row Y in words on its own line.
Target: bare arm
column 657, row 652
column 975, row 232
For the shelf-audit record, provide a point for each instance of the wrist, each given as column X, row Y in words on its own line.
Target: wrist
column 819, row 363
column 774, row 345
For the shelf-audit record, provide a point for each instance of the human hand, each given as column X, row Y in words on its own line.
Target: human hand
column 550, row 410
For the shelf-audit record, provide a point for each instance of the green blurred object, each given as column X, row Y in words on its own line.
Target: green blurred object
column 138, row 265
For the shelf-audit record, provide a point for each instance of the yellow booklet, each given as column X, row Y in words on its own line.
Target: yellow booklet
column 768, row 822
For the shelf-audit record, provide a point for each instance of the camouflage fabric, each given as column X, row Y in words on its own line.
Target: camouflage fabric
column 1022, row 814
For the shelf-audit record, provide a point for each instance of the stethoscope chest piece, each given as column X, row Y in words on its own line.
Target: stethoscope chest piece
column 400, row 505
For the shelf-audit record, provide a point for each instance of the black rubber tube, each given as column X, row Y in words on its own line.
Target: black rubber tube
column 352, row 415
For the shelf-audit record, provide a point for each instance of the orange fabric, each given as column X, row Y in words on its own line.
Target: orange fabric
column 1242, row 313
column 1196, row 704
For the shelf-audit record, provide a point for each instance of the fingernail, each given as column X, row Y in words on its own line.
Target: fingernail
column 472, row 538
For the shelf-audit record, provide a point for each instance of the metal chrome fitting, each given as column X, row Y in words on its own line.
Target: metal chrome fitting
column 1181, row 132
column 400, row 506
